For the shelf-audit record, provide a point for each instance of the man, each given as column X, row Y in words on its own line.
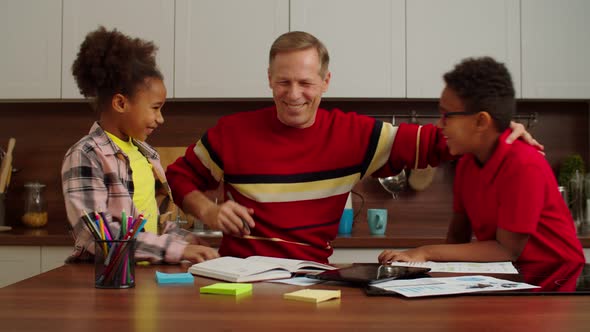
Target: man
column 505, row 194
column 291, row 167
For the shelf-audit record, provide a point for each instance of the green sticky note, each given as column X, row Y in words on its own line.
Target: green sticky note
column 227, row 288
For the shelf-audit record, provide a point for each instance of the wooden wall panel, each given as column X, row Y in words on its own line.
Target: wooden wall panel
column 44, row 131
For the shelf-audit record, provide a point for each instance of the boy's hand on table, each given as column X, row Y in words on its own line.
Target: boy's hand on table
column 198, row 254
column 410, row 255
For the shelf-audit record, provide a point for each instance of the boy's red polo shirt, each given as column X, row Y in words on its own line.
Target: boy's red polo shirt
column 517, row 191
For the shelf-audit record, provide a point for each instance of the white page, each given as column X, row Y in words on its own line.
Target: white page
column 232, row 266
column 297, row 281
column 463, row 267
column 292, row 265
column 448, row 286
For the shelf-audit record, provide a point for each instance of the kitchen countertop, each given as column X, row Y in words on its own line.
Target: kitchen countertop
column 398, row 235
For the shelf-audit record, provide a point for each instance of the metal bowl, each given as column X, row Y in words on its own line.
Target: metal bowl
column 395, row 184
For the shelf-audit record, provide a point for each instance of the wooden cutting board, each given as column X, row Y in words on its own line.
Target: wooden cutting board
column 169, row 154
column 6, row 167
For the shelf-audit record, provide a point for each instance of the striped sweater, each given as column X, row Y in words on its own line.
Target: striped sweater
column 296, row 180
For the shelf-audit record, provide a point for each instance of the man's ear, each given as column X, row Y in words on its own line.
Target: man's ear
column 119, row 103
column 326, row 81
column 268, row 74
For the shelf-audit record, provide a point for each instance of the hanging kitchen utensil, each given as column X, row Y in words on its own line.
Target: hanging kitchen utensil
column 420, row 178
column 397, row 183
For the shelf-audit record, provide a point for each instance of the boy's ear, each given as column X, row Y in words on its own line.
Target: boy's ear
column 119, row 103
column 484, row 120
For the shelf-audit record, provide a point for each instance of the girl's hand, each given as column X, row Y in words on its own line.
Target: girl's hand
column 194, row 239
column 198, row 254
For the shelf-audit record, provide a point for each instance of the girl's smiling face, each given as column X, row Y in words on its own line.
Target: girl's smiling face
column 143, row 112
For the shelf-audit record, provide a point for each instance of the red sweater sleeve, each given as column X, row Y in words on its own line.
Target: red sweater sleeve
column 187, row 174
column 433, row 147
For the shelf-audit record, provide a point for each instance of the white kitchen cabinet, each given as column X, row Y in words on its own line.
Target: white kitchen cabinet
column 30, row 35
column 222, row 46
column 18, row 263
column 366, row 42
column 152, row 20
column 53, row 257
column 22, row 262
column 440, row 33
column 555, row 49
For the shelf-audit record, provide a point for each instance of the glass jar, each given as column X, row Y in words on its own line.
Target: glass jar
column 577, row 200
column 35, row 214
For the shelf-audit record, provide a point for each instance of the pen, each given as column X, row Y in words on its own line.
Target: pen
column 246, row 227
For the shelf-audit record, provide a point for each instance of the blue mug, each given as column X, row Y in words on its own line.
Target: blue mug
column 377, row 219
column 345, row 226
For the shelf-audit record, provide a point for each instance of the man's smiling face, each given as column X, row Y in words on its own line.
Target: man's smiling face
column 297, row 86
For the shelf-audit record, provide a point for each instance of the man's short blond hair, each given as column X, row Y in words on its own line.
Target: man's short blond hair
column 299, row 40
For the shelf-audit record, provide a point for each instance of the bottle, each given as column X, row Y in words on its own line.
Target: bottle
column 577, row 200
column 35, row 214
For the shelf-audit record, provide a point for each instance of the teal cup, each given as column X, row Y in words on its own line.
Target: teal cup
column 345, row 226
column 377, row 219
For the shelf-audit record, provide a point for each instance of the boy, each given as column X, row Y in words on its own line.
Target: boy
column 504, row 194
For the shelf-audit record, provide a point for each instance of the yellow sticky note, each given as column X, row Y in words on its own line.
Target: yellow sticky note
column 227, row 288
column 312, row 295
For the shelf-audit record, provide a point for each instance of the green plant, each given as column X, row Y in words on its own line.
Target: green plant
column 568, row 169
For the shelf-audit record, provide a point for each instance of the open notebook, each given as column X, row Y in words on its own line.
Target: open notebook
column 255, row 268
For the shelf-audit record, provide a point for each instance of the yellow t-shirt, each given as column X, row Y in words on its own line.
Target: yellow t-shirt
column 144, row 196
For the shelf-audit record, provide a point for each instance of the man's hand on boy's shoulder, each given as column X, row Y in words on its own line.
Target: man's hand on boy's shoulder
column 519, row 131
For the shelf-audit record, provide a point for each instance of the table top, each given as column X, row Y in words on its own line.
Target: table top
column 65, row 299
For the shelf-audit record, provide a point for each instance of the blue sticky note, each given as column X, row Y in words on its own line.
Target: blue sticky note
column 174, row 278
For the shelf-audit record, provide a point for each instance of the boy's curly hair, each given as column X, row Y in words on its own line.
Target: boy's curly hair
column 483, row 84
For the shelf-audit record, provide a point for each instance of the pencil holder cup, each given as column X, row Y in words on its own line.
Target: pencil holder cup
column 114, row 263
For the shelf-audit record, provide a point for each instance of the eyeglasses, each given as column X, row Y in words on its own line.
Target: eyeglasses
column 444, row 116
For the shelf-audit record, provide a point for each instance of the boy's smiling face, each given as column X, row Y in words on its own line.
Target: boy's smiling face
column 458, row 129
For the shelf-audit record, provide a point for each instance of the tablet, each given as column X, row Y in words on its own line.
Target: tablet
column 371, row 273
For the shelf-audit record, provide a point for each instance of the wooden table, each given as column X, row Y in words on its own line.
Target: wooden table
column 65, row 299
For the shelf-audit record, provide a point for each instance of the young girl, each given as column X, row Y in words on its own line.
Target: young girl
column 112, row 169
